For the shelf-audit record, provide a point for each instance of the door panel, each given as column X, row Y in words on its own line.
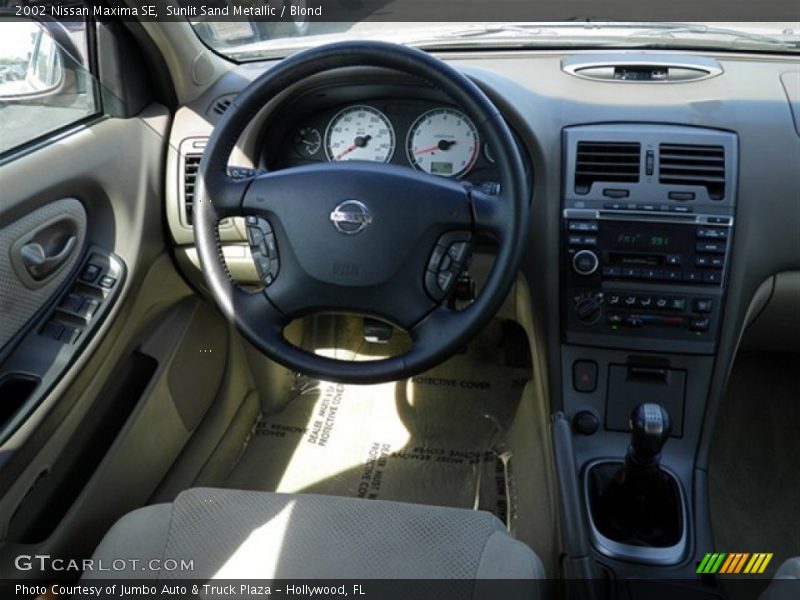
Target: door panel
column 22, row 297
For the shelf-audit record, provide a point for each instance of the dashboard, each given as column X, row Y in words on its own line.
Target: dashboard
column 663, row 227
column 381, row 125
column 646, row 136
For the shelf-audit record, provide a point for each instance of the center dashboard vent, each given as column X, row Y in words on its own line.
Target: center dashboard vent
column 693, row 165
column 611, row 162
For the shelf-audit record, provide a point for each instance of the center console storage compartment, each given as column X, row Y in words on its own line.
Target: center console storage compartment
column 628, row 385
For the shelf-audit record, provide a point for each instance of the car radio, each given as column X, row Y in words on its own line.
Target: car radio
column 637, row 281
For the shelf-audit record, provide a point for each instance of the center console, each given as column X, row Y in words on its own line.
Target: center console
column 647, row 227
column 636, row 279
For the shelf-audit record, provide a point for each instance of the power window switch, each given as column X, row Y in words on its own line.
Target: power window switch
column 72, row 303
column 107, row 282
column 52, row 330
column 69, row 335
column 89, row 308
column 90, row 272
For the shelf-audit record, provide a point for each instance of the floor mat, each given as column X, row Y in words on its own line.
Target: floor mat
column 435, row 439
column 754, row 480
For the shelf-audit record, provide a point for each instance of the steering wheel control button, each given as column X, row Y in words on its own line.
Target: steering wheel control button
column 447, row 261
column 458, row 251
column 445, row 281
column 585, row 262
column 264, row 248
column 584, row 376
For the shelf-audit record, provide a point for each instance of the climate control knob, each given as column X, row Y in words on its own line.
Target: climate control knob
column 585, row 262
column 588, row 310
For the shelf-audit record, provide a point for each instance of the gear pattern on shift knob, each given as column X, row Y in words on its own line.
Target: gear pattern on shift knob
column 650, row 430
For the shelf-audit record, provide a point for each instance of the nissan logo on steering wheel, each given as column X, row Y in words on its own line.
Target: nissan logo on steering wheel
column 351, row 217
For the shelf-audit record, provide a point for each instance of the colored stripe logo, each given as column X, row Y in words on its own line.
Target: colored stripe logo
column 734, row 563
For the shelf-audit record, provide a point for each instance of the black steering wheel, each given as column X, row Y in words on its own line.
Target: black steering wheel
column 355, row 237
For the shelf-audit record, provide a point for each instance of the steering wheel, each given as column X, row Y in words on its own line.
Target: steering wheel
column 380, row 240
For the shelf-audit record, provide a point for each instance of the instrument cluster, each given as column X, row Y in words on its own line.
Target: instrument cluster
column 424, row 135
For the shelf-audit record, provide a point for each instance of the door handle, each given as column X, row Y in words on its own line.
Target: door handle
column 42, row 260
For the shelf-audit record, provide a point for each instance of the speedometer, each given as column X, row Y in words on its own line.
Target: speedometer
column 443, row 141
column 360, row 133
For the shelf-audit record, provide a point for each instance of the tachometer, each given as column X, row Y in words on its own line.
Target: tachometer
column 443, row 141
column 360, row 133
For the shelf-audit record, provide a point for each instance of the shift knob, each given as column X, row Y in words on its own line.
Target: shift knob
column 650, row 429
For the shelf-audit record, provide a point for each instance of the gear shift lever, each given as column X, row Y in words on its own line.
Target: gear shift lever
column 638, row 503
column 650, row 427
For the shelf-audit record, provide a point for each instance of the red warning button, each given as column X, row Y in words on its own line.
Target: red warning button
column 584, row 376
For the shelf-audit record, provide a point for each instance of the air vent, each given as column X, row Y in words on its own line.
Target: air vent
column 220, row 106
column 616, row 162
column 191, row 162
column 689, row 164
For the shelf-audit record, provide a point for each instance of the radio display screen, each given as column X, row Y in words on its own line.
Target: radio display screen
column 645, row 238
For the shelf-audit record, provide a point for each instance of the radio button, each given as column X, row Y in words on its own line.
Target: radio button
column 711, row 247
column 712, row 277
column 681, row 209
column 585, row 262
column 589, row 226
column 693, row 276
column 652, row 274
column 575, row 240
column 673, row 260
column 631, row 273
column 712, row 233
column 612, row 272
column 717, row 262
column 674, row 275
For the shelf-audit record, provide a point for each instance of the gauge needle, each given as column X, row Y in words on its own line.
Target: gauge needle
column 359, row 142
column 442, row 145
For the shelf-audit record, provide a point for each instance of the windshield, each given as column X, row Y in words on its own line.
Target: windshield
column 258, row 38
